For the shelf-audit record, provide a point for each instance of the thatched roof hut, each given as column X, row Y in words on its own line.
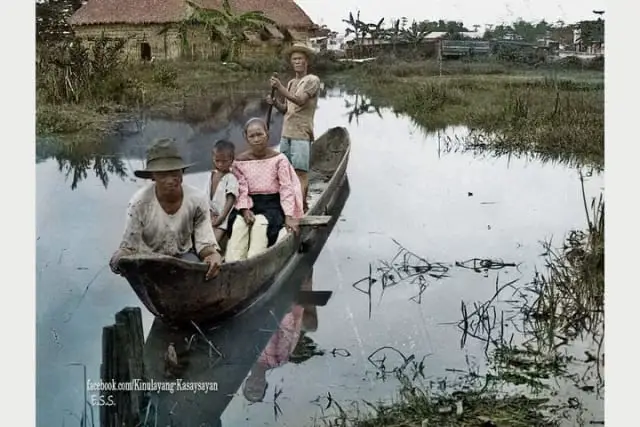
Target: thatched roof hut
column 99, row 12
column 147, row 20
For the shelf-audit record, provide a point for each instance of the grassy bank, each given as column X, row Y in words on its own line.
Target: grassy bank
column 554, row 111
column 416, row 407
column 83, row 91
column 165, row 87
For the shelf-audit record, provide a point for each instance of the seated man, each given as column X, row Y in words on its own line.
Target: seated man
column 166, row 216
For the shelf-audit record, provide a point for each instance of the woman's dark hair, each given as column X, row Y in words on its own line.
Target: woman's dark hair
column 224, row 145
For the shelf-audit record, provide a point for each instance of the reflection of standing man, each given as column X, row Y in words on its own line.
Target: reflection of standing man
column 299, row 108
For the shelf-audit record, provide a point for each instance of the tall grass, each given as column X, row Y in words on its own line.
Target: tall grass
column 546, row 115
column 570, row 293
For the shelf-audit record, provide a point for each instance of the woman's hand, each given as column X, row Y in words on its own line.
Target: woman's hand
column 292, row 224
column 248, row 216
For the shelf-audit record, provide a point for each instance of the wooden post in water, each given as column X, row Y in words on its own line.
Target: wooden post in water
column 122, row 363
column 440, row 56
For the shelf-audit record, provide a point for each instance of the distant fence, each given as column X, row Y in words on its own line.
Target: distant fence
column 509, row 50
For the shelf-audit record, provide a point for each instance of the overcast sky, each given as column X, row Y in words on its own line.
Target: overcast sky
column 332, row 12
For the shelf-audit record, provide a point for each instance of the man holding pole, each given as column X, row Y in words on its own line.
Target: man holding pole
column 299, row 108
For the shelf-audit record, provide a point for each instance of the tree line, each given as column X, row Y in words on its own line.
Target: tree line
column 399, row 29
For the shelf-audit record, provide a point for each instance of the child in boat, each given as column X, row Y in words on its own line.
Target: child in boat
column 222, row 187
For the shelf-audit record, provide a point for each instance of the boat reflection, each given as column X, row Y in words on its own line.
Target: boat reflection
column 195, row 373
column 285, row 344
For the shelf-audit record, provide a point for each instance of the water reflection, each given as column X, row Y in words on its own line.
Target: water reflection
column 359, row 106
column 216, row 360
column 543, row 336
column 76, row 160
column 196, row 128
column 203, row 121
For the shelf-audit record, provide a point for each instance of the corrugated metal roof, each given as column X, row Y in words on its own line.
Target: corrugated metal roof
column 435, row 35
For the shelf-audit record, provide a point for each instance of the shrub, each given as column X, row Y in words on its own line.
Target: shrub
column 165, row 76
column 69, row 72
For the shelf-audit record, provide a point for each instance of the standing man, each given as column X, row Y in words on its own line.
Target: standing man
column 299, row 108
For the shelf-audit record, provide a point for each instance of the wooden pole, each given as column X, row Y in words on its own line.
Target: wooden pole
column 273, row 93
column 440, row 56
column 122, row 363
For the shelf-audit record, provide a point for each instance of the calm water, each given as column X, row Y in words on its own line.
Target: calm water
column 444, row 207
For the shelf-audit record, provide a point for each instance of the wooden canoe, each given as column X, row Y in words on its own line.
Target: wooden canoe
column 175, row 290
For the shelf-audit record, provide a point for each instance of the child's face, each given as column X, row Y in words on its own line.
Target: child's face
column 222, row 159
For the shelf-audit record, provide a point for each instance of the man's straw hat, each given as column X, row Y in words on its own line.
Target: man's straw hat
column 299, row 47
column 162, row 156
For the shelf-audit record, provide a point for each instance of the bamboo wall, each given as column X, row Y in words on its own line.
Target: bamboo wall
column 167, row 44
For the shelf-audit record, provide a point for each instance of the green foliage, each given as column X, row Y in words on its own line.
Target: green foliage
column 74, row 73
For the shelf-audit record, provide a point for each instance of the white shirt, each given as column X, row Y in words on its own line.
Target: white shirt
column 150, row 229
column 228, row 185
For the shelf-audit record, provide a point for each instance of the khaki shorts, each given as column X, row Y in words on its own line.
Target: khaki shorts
column 298, row 151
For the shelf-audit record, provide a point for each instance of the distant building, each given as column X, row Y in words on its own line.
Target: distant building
column 329, row 43
column 594, row 48
column 152, row 26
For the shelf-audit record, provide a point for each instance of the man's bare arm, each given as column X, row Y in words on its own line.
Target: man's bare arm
column 280, row 106
column 298, row 100
column 204, row 238
column 311, row 87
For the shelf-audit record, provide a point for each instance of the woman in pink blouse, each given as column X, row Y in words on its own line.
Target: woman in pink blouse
column 269, row 199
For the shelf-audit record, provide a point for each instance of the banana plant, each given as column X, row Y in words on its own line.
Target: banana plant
column 357, row 28
column 376, row 31
column 394, row 33
column 223, row 25
column 414, row 34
